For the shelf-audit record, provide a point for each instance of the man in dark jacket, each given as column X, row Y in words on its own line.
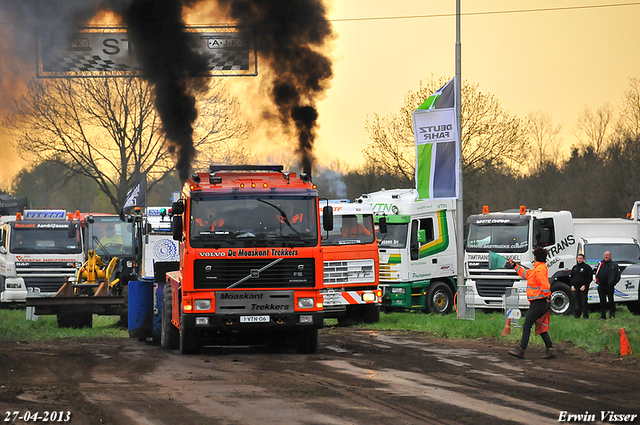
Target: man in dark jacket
column 606, row 278
column 581, row 276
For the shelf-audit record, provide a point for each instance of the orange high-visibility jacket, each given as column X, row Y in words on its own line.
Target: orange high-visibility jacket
column 537, row 280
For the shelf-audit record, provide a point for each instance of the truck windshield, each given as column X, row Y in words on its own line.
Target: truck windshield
column 396, row 236
column 620, row 253
column 109, row 236
column 351, row 229
column 218, row 222
column 44, row 238
column 498, row 237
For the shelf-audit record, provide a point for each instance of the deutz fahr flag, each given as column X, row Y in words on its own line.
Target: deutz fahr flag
column 136, row 197
column 436, row 133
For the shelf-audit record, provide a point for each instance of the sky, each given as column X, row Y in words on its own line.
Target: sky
column 555, row 61
column 557, row 57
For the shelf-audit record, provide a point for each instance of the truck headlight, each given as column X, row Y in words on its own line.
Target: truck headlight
column 368, row 297
column 306, row 302
column 397, row 290
column 202, row 305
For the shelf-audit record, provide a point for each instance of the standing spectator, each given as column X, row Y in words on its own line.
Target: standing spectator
column 581, row 276
column 607, row 276
column 538, row 293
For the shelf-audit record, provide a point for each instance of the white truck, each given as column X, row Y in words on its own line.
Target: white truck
column 515, row 234
column 620, row 237
column 418, row 251
column 38, row 249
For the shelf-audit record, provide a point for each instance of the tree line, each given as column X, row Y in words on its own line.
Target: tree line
column 91, row 140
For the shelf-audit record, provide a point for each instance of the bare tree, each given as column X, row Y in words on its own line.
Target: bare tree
column 490, row 135
column 108, row 130
column 629, row 125
column 593, row 128
column 543, row 135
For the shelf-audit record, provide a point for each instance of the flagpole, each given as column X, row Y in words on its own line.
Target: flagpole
column 459, row 203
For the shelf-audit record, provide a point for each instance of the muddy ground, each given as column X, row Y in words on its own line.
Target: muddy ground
column 356, row 377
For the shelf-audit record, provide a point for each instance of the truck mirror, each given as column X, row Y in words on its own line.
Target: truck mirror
column 382, row 225
column 546, row 236
column 177, row 228
column 147, row 228
column 71, row 230
column 327, row 218
column 177, row 208
column 422, row 236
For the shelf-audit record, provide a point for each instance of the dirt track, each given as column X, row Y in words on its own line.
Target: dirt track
column 356, row 377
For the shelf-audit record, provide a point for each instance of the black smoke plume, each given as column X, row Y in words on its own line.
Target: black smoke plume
column 289, row 37
column 163, row 46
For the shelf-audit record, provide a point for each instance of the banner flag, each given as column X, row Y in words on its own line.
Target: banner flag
column 437, row 149
column 136, row 197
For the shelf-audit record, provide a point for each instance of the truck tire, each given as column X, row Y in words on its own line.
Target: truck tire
column 370, row 313
column 561, row 299
column 189, row 343
column 308, row 341
column 168, row 332
column 65, row 320
column 439, row 298
column 75, row 321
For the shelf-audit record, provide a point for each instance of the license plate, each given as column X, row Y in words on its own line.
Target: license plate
column 254, row 319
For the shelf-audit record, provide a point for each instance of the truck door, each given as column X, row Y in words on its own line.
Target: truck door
column 422, row 232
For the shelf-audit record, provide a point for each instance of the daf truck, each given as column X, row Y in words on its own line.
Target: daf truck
column 40, row 249
column 417, row 249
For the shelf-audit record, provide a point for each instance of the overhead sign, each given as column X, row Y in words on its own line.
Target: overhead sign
column 106, row 52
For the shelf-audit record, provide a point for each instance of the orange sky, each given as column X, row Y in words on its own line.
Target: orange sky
column 555, row 61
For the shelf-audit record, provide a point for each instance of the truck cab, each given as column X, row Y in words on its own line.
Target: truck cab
column 417, row 249
column 40, row 249
column 351, row 264
column 515, row 234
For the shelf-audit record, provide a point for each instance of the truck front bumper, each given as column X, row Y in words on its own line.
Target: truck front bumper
column 235, row 322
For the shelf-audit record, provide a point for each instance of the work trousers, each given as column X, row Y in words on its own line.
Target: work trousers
column 582, row 308
column 537, row 309
column 605, row 292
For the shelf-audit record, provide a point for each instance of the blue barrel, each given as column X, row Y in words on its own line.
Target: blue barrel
column 140, row 308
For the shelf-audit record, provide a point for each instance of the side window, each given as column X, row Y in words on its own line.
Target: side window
column 544, row 233
column 426, row 224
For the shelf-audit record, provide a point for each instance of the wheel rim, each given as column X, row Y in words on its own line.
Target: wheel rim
column 560, row 302
column 440, row 301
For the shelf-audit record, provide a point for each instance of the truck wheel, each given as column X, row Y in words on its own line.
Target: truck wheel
column 371, row 313
column 189, row 343
column 561, row 299
column 168, row 332
column 308, row 341
column 634, row 307
column 84, row 321
column 439, row 298
column 65, row 320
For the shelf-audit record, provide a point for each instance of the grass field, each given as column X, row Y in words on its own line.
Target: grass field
column 593, row 335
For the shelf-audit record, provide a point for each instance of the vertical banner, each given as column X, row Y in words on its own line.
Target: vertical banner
column 436, row 133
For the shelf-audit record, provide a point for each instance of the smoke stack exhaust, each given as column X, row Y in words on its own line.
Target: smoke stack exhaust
column 290, row 34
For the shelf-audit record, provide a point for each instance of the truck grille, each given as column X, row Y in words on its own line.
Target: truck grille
column 287, row 273
column 492, row 287
column 48, row 276
column 352, row 271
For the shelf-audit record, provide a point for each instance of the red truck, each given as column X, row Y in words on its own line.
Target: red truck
column 251, row 265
